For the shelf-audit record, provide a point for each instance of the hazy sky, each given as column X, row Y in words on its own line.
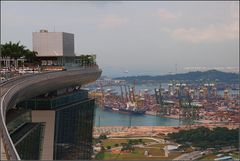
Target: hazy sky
column 141, row 37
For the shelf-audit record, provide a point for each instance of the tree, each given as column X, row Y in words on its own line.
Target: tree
column 16, row 51
column 30, row 55
column 130, row 141
column 81, row 60
column 13, row 50
column 205, row 138
column 86, row 60
column 102, row 136
column 127, row 146
column 90, row 60
column 102, row 148
column 5, row 52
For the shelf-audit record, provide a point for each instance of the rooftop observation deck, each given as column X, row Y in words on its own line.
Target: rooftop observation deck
column 27, row 86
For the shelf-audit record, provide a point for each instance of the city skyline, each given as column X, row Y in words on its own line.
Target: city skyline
column 135, row 38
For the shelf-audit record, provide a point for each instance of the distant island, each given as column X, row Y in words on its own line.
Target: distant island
column 209, row 76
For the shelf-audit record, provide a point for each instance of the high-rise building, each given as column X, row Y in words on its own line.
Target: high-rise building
column 65, row 123
column 48, row 116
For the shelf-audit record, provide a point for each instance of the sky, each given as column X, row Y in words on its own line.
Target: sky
column 136, row 37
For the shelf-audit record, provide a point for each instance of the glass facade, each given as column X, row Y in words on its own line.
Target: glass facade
column 55, row 102
column 73, row 131
column 28, row 140
column 73, row 123
column 19, row 120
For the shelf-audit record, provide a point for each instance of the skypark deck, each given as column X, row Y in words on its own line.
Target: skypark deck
column 23, row 87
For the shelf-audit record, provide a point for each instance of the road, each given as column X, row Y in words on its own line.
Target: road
column 150, row 138
column 189, row 156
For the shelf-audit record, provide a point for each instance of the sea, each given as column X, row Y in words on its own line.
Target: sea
column 109, row 118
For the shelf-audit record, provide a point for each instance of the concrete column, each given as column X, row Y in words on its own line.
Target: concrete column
column 48, row 117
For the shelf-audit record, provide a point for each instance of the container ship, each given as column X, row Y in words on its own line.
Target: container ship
column 130, row 108
column 128, row 104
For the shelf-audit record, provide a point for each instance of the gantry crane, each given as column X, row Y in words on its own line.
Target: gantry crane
column 188, row 111
column 164, row 105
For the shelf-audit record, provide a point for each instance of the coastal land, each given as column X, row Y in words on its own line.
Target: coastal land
column 157, row 142
column 124, row 131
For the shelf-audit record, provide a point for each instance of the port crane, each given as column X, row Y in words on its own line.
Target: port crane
column 164, row 105
column 188, row 111
column 103, row 96
column 122, row 98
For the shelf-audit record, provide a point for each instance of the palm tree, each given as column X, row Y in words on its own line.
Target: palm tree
column 88, row 59
column 5, row 52
column 30, row 55
column 16, row 51
column 82, row 60
column 13, row 51
column 91, row 59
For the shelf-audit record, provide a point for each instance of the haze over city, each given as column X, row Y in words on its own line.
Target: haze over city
column 119, row 80
column 152, row 38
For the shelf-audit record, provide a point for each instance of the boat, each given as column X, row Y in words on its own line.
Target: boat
column 124, row 109
column 115, row 109
column 128, row 104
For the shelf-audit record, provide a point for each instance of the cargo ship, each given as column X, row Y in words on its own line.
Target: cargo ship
column 111, row 101
column 129, row 109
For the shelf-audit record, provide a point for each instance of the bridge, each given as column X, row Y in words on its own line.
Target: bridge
column 27, row 86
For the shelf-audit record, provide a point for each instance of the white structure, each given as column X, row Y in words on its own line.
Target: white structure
column 56, row 50
column 53, row 44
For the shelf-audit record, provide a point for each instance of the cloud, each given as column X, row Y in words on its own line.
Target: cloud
column 103, row 4
column 165, row 15
column 112, row 21
column 209, row 34
column 217, row 32
column 234, row 9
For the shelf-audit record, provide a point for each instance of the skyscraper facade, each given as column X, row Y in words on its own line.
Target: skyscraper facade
column 71, row 117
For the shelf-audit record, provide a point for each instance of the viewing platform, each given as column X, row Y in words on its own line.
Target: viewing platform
column 20, row 88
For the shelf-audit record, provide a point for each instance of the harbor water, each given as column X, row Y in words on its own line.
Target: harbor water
column 109, row 118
